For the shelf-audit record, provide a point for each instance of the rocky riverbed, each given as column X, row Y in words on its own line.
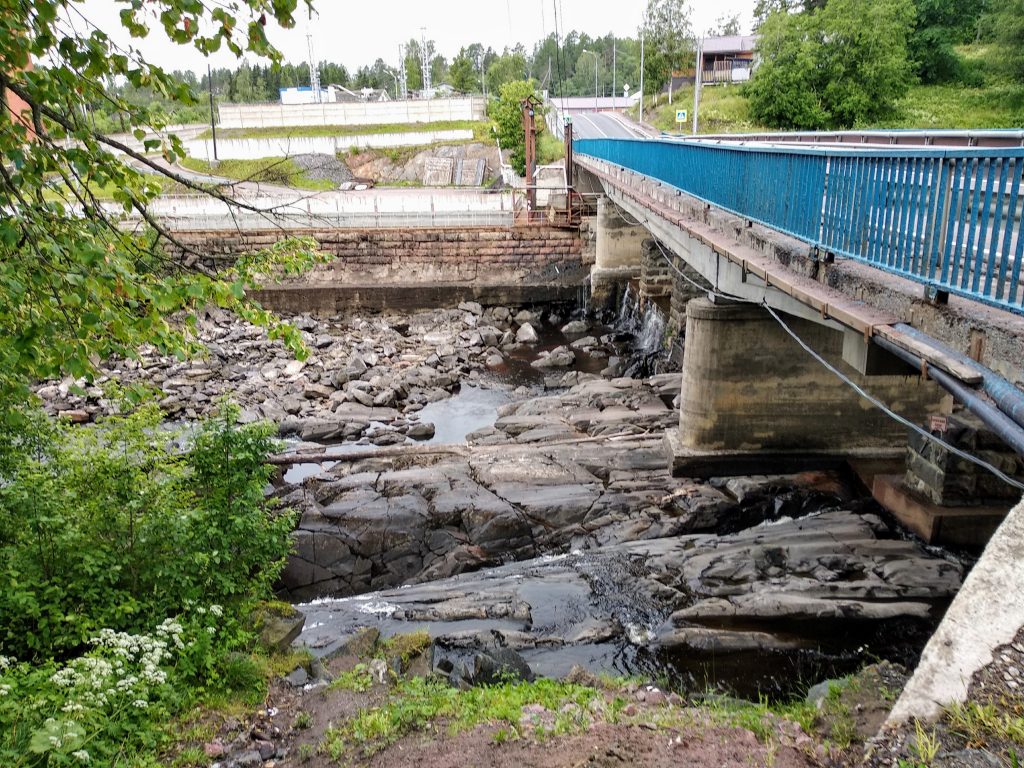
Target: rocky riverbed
column 365, row 376
column 554, row 528
column 560, row 533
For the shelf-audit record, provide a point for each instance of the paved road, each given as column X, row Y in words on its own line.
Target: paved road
column 604, row 125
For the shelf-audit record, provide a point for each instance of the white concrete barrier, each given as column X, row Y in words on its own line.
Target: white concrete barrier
column 358, row 210
column 987, row 612
column 285, row 146
column 351, row 113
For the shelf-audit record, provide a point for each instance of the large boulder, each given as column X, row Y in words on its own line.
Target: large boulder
column 526, row 334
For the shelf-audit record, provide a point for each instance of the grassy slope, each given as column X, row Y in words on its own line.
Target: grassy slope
column 992, row 103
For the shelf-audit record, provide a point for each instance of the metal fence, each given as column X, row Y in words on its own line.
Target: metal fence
column 947, row 218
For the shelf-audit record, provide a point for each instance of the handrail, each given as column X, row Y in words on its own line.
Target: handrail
column 981, row 137
column 949, row 218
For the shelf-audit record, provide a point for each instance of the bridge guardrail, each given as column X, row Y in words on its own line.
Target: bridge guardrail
column 947, row 218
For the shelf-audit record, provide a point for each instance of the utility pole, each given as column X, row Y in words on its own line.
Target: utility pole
column 314, row 70
column 613, row 73
column 529, row 106
column 642, row 33
column 699, row 70
column 402, row 74
column 213, row 122
column 425, row 58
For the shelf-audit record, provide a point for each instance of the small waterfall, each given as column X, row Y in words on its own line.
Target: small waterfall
column 647, row 327
column 583, row 298
column 626, row 321
column 651, row 336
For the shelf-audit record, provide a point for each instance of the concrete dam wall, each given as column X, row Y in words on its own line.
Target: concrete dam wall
column 415, row 267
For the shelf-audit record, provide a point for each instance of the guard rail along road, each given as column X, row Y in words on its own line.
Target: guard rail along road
column 949, row 218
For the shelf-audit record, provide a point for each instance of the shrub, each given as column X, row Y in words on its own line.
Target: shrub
column 832, row 68
column 109, row 704
column 112, row 526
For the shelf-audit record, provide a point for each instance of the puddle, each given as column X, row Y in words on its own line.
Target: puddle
column 470, row 409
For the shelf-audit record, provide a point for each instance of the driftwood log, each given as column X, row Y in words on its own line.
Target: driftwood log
column 398, row 451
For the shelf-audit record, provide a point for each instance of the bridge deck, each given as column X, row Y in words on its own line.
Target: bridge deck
column 829, row 302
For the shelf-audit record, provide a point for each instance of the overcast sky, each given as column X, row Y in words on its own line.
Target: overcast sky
column 357, row 32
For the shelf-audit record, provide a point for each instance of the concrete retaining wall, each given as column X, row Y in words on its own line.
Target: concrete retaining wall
column 371, row 208
column 359, row 113
column 285, row 146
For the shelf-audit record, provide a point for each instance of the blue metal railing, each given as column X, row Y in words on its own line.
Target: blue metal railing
column 947, row 218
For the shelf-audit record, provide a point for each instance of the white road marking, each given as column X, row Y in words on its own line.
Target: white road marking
column 594, row 124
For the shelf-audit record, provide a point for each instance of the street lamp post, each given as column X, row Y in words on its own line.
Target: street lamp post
column 595, row 77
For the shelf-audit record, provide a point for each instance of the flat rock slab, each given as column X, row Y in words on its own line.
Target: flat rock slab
column 769, row 589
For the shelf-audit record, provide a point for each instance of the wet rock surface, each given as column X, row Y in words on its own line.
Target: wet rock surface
column 673, row 602
column 560, row 534
column 579, row 470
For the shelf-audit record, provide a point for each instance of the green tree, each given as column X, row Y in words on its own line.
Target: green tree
column 333, row 74
column 941, row 25
column 463, row 72
column 75, row 285
column 438, row 70
column 669, row 39
column 1007, row 21
column 507, row 114
column 510, row 67
column 242, row 86
column 834, row 67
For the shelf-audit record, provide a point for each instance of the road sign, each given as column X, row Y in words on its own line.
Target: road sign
column 680, row 115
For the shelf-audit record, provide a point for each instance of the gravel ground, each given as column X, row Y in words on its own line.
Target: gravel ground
column 986, row 732
column 323, row 167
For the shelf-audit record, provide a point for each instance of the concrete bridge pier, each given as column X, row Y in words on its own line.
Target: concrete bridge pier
column 753, row 401
column 619, row 254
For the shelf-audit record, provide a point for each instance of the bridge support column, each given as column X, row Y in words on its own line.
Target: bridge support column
column 619, row 254
column 753, row 401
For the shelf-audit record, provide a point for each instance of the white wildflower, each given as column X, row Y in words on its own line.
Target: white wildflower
column 6, row 662
column 81, row 756
column 140, row 703
column 4, row 689
column 216, row 610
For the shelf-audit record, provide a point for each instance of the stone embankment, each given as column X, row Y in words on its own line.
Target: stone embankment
column 392, row 166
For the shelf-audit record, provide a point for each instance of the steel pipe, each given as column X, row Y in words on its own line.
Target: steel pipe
column 1008, row 398
column 1008, row 430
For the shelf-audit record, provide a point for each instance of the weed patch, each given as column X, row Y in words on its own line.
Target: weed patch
column 422, row 703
